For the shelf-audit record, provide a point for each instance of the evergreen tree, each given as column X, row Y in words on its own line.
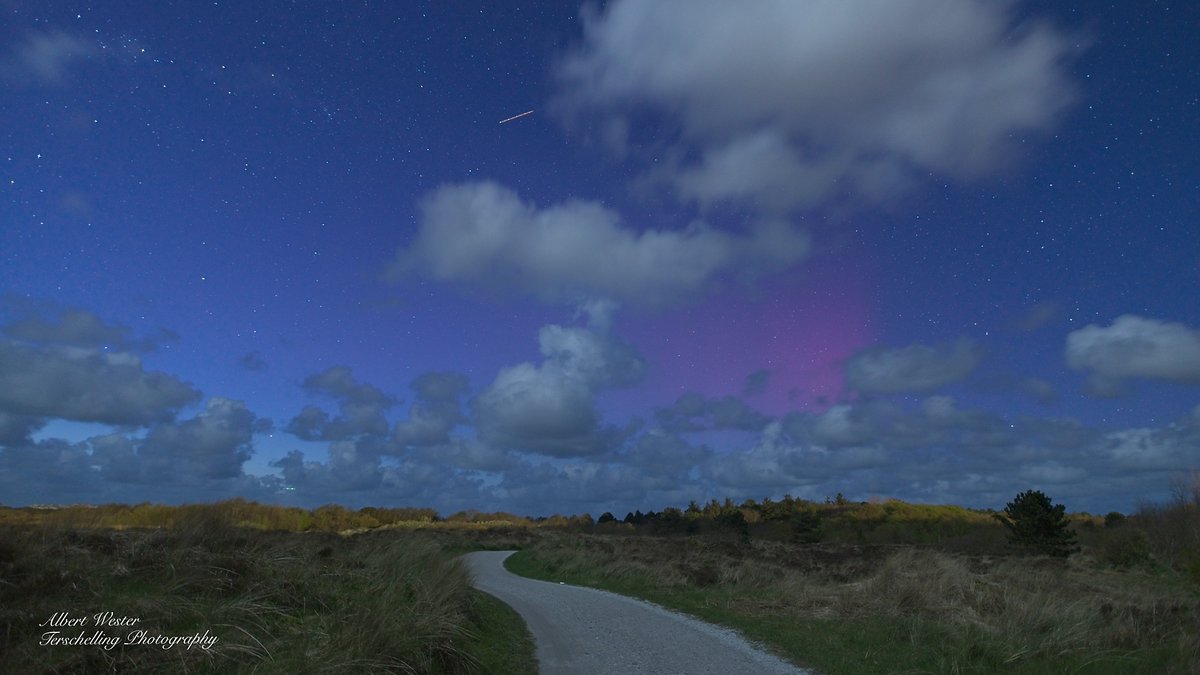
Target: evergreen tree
column 1034, row 522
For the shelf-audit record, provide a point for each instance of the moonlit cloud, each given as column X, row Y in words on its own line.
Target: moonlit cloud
column 1135, row 347
column 212, row 445
column 779, row 103
column 484, row 234
column 435, row 412
column 915, row 368
column 695, row 412
column 362, row 408
column 44, row 57
column 86, row 385
column 550, row 407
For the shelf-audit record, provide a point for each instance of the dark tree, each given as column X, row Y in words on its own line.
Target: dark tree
column 806, row 527
column 606, row 517
column 1034, row 522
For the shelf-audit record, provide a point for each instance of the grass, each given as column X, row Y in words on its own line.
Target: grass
column 387, row 602
column 899, row 609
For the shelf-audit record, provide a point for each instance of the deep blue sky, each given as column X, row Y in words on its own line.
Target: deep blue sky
column 941, row 250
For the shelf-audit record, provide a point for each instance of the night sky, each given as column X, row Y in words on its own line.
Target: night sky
column 937, row 250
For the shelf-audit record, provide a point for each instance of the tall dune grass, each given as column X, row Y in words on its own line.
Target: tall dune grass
column 927, row 610
column 391, row 602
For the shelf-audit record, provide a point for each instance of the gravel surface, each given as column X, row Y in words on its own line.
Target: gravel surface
column 583, row 630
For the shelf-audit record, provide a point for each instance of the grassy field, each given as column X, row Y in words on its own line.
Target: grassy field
column 845, row 608
column 843, row 587
column 393, row 601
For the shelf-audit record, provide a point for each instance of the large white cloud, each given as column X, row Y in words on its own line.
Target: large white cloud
column 781, row 102
column 1135, row 346
column 484, row 234
column 550, row 407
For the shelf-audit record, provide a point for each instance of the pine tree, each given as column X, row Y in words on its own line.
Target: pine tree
column 1035, row 522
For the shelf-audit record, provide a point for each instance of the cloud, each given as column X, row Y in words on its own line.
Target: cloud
column 482, row 233
column 756, row 383
column 212, row 445
column 346, row 470
column 16, row 429
column 44, row 58
column 695, row 412
column 549, row 408
column 663, row 452
column 1135, row 347
column 781, row 103
column 435, row 412
column 361, row 406
column 253, row 362
column 915, row 368
column 539, row 409
column 1037, row 316
column 471, row 454
column 75, row 328
column 86, row 385
column 777, row 462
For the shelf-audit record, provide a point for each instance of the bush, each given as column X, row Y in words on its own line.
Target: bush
column 1127, row 548
column 1035, row 523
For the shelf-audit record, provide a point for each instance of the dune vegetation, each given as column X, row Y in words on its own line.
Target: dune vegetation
column 840, row 586
column 275, row 601
column 890, row 587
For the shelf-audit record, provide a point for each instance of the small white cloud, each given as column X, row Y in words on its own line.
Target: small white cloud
column 1132, row 347
column 45, row 58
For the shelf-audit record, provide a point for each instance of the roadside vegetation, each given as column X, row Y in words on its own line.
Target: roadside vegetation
column 380, row 602
column 840, row 586
column 898, row 588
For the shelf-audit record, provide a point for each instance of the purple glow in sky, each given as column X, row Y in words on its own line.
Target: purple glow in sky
column 938, row 250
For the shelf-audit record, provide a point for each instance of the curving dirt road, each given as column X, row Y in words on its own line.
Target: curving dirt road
column 583, row 630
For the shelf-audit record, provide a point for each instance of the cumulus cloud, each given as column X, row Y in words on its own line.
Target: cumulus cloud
column 75, row 328
column 776, row 461
column 347, row 470
column 540, row 409
column 212, row 445
column 361, row 406
column 435, row 412
column 86, row 385
column 549, row 407
column 1135, row 347
column 15, row 429
column 696, row 412
column 915, row 368
column 483, row 233
column 780, row 103
column 662, row 452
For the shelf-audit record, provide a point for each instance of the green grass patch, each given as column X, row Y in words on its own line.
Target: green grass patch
column 386, row 602
column 906, row 612
column 501, row 643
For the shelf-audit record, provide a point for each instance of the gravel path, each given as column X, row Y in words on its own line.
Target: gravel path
column 583, row 630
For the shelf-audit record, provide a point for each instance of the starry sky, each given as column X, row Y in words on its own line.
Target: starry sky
column 938, row 250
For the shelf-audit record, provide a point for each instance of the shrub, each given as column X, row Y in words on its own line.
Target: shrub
column 1034, row 522
column 1127, row 548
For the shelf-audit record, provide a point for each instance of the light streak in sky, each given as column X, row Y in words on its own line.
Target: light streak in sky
column 527, row 112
